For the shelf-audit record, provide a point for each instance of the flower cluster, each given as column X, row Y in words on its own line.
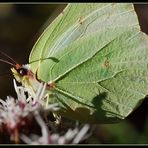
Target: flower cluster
column 22, row 119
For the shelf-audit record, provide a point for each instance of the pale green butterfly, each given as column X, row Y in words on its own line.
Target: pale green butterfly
column 93, row 57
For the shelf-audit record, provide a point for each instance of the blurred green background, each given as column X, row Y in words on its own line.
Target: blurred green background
column 21, row 25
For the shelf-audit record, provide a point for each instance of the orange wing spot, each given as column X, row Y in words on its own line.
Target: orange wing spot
column 81, row 19
column 106, row 64
column 51, row 85
column 108, row 16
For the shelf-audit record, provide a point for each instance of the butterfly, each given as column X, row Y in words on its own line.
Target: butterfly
column 93, row 58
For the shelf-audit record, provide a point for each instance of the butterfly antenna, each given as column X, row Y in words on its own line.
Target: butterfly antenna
column 7, row 62
column 8, row 57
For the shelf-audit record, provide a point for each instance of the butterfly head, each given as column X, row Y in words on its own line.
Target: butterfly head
column 21, row 72
column 26, row 77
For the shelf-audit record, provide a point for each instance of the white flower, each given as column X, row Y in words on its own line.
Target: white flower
column 15, row 113
column 18, row 114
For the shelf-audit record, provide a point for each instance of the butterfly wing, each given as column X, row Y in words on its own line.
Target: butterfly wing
column 100, row 71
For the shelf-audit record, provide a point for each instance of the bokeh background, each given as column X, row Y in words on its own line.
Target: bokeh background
column 22, row 24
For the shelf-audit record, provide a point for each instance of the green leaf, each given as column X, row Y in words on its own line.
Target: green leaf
column 98, row 61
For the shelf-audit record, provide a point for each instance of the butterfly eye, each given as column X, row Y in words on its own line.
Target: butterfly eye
column 22, row 71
